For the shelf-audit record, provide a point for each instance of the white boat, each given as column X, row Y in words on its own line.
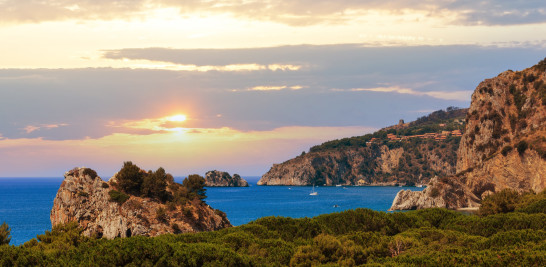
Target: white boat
column 313, row 193
column 338, row 185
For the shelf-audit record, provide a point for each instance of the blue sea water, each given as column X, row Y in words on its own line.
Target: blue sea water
column 25, row 203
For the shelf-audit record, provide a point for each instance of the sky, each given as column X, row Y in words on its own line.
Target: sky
column 237, row 85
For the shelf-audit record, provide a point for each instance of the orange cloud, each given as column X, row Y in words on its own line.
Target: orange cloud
column 31, row 128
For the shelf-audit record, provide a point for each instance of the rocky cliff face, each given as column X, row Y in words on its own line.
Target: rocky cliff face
column 219, row 178
column 411, row 162
column 84, row 197
column 504, row 145
column 407, row 153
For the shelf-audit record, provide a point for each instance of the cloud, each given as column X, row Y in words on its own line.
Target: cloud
column 271, row 88
column 31, row 128
column 293, row 12
column 88, row 99
column 456, row 95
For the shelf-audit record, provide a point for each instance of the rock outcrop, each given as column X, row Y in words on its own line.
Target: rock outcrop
column 397, row 155
column 445, row 194
column 504, row 144
column 84, row 197
column 219, row 178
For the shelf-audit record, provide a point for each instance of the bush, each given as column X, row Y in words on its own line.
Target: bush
column 506, row 150
column 434, row 192
column 5, row 234
column 105, row 185
column 501, row 202
column 154, row 185
column 117, row 196
column 176, row 228
column 90, row 172
column 522, row 146
column 161, row 215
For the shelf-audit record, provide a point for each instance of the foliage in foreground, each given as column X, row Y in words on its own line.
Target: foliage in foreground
column 5, row 234
column 428, row 237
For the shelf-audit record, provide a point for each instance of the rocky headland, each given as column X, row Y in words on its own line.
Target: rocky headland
column 404, row 154
column 503, row 146
column 220, row 178
column 104, row 209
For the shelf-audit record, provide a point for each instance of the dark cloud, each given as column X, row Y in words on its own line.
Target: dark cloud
column 292, row 12
column 88, row 100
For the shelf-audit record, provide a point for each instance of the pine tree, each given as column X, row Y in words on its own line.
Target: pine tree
column 5, row 234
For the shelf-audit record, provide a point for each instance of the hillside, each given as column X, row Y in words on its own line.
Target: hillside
column 407, row 154
column 504, row 144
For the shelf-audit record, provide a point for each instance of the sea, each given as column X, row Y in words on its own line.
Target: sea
column 25, row 203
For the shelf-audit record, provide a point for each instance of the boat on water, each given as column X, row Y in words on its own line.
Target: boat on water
column 313, row 193
column 338, row 185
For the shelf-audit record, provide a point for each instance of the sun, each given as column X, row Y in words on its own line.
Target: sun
column 177, row 118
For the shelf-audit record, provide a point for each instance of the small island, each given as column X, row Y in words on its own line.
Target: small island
column 223, row 179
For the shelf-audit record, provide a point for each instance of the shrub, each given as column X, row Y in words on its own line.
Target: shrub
column 83, row 194
column 105, row 185
column 90, row 172
column 506, row 150
column 434, row 192
column 522, row 146
column 500, row 202
column 171, row 206
column 176, row 228
column 161, row 215
column 117, row 196
column 187, row 212
column 5, row 234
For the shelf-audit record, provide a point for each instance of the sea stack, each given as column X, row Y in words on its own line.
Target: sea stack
column 220, row 178
column 85, row 198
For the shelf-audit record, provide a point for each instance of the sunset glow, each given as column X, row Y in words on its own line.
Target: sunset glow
column 241, row 84
column 178, row 118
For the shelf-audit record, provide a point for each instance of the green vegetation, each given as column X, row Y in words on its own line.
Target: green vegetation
column 158, row 185
column 431, row 237
column 506, row 150
column 509, row 200
column 427, row 124
column 5, row 234
column 195, row 185
column 522, row 146
column 117, row 196
column 418, row 161
column 130, row 178
column 90, row 172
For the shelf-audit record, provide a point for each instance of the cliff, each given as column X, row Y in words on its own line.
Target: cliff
column 219, row 178
column 406, row 154
column 85, row 198
column 504, row 144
